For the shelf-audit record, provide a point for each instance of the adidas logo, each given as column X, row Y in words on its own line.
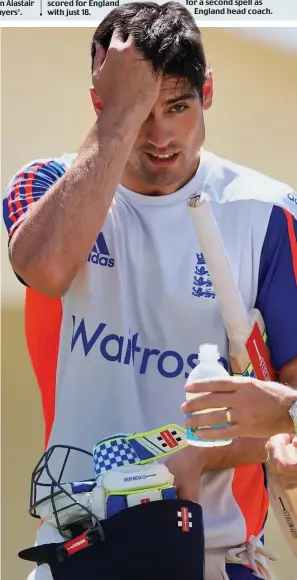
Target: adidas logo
column 100, row 254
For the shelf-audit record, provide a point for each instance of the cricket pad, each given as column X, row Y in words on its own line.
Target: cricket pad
column 160, row 539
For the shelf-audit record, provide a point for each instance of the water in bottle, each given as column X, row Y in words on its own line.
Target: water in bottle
column 208, row 367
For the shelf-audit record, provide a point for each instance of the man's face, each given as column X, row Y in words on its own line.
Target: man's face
column 166, row 153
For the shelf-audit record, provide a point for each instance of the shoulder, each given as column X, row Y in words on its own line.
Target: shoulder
column 29, row 184
column 230, row 182
column 48, row 169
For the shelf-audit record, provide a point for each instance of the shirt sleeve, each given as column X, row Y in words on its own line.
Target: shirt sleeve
column 277, row 286
column 26, row 188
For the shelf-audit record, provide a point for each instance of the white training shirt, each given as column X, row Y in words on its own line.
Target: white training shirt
column 133, row 319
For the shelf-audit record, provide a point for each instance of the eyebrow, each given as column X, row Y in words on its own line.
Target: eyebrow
column 183, row 97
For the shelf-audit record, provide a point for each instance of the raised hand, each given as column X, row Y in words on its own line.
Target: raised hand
column 122, row 78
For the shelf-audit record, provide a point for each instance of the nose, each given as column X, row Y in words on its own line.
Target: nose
column 158, row 132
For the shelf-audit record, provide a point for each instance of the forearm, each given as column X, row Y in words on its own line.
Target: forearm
column 58, row 233
column 191, row 463
column 242, row 451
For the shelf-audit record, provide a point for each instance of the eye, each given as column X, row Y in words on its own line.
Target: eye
column 179, row 108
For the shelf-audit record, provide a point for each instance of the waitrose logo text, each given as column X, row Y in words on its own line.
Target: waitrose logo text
column 128, row 350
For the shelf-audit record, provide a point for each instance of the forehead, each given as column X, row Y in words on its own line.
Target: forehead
column 174, row 87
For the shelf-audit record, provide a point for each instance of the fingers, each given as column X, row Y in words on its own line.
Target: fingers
column 275, row 448
column 279, row 441
column 99, row 56
column 223, row 385
column 291, row 455
column 212, row 419
column 282, row 456
column 277, row 464
column 213, row 425
column 116, row 39
column 208, row 401
column 212, row 434
column 118, row 42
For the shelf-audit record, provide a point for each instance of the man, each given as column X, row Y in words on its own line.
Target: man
column 108, row 239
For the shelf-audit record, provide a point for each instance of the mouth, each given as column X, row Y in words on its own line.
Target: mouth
column 162, row 160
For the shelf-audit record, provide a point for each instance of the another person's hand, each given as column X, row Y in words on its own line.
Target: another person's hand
column 282, row 457
column 122, row 78
column 257, row 409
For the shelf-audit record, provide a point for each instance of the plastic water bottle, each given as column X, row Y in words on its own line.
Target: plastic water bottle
column 208, row 367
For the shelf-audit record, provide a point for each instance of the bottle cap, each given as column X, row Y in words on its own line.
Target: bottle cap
column 208, row 353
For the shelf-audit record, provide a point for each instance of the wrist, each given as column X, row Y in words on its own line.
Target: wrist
column 195, row 456
column 124, row 122
column 133, row 111
column 209, row 458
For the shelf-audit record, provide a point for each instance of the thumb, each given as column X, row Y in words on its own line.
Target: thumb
column 280, row 440
column 276, row 447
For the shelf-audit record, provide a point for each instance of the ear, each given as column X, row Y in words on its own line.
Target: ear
column 208, row 91
column 97, row 104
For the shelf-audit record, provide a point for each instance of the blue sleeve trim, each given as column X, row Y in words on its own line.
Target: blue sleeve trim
column 27, row 187
column 277, row 289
